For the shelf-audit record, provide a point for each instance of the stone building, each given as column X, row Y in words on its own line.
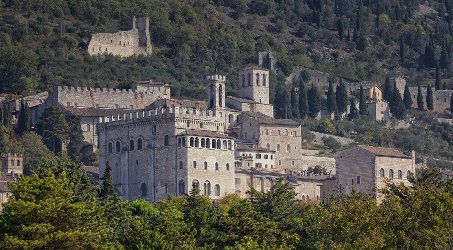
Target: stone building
column 379, row 110
column 261, row 179
column 250, row 156
column 367, row 169
column 12, row 168
column 313, row 187
column 373, row 93
column 135, row 41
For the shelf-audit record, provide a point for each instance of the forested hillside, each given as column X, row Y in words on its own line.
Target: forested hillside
column 43, row 43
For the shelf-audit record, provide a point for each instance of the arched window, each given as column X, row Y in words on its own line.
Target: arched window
column 400, row 174
column 308, row 198
column 154, row 129
column 391, row 173
column 286, row 132
column 181, row 187
column 110, row 147
column 243, row 80
column 227, row 167
column 191, row 141
column 196, row 142
column 197, row 184
column 264, row 79
column 139, row 144
column 131, row 145
column 12, row 162
column 118, row 146
column 408, row 173
column 181, row 165
column 208, row 144
column 166, row 142
column 183, row 141
column 207, row 188
column 303, row 197
column 382, row 173
column 278, row 147
column 265, row 166
column 216, row 166
column 143, row 189
column 194, row 164
column 267, row 132
column 88, row 127
column 213, row 143
column 250, row 79
column 225, row 146
column 218, row 144
column 257, row 79
column 217, row 190
column 229, row 145
column 288, row 148
column 179, row 142
column 268, row 146
column 205, row 165
column 202, row 142
column 18, row 163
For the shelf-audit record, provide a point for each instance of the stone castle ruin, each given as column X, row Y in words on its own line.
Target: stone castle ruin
column 135, row 41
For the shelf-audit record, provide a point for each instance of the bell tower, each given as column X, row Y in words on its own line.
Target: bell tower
column 254, row 84
column 216, row 92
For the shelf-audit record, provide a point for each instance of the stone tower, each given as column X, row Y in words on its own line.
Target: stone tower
column 254, row 84
column 12, row 162
column 216, row 92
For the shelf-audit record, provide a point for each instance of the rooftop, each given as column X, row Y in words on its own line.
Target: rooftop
column 264, row 119
column 251, row 147
column 242, row 100
column 380, row 151
column 150, row 82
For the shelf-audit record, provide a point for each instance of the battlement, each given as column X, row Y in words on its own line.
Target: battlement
column 87, row 90
column 158, row 114
column 12, row 155
column 216, row 78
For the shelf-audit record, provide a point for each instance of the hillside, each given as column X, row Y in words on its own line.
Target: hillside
column 43, row 43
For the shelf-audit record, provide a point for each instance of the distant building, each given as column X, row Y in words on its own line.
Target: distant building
column 379, row 110
column 373, row 93
column 12, row 168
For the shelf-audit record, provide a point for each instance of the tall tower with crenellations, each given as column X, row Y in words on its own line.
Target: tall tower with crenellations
column 254, row 84
column 216, row 92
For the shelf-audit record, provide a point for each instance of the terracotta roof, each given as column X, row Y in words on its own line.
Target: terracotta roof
column 254, row 67
column 242, row 100
column 99, row 112
column 384, row 151
column 206, row 133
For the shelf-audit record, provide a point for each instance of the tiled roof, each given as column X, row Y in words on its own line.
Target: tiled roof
column 4, row 178
column 264, row 119
column 204, row 133
column 242, row 100
column 255, row 67
column 191, row 104
column 384, row 151
column 99, row 112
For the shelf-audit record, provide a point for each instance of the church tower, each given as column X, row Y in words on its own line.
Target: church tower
column 216, row 92
column 254, row 84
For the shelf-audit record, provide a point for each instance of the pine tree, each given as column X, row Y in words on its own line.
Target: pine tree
column 353, row 112
column 438, row 80
column 294, row 103
column 75, row 136
column 402, row 54
column 429, row 98
column 397, row 107
column 24, row 120
column 420, row 103
column 331, row 101
column 303, row 104
column 107, row 188
column 341, row 97
column 362, row 101
column 314, row 101
column 407, row 97
column 387, row 95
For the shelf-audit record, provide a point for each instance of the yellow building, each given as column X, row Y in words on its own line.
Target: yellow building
column 373, row 94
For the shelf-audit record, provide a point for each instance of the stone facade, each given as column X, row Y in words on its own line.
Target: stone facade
column 251, row 156
column 313, row 187
column 441, row 98
column 267, row 60
column 135, row 41
column 367, row 169
column 12, row 163
column 379, row 110
column 261, row 179
column 373, row 94
column 254, row 84
column 325, row 162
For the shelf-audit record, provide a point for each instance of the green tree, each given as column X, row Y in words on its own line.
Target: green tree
column 53, row 128
column 444, row 57
column 420, row 103
column 40, row 215
column 402, row 51
column 397, row 106
column 331, row 101
column 429, row 98
column 362, row 101
column 407, row 98
column 294, row 103
column 451, row 103
column 7, row 117
column 75, row 136
column 340, row 29
column 314, row 101
column 387, row 95
column 4, row 138
column 24, row 120
column 438, row 77
column 107, row 188
column 15, row 62
column 341, row 97
column 353, row 112
column 303, row 102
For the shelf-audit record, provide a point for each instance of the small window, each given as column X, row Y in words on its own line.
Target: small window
column 194, row 164
column 132, row 107
column 118, row 146
column 205, row 165
column 237, row 181
column 279, row 162
column 181, row 165
column 131, row 145
column 68, row 104
column 352, row 182
column 88, row 127
column 116, row 106
column 110, row 148
column 18, row 163
column 400, row 174
column 382, row 173
column 136, row 162
column 358, row 180
column 217, row 190
column 228, row 167
column 408, row 173
column 75, row 104
column 292, row 163
column 288, row 148
column 139, row 144
column 143, row 189
column 391, row 173
column 278, row 148
column 216, row 166
column 266, row 157
column 97, row 106
column 166, row 141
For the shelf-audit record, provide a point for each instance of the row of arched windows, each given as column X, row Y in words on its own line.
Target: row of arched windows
column 132, row 145
column 205, row 165
column 288, row 147
column 207, row 188
column 258, row 80
column 391, row 174
column 205, row 143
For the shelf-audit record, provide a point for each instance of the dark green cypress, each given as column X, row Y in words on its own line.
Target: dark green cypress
column 407, row 97
column 294, row 103
column 24, row 120
column 331, row 102
column 451, row 103
column 420, row 103
column 429, row 98
column 387, row 95
column 397, row 105
column 107, row 188
column 303, row 104
column 353, row 112
column 314, row 101
column 438, row 80
column 362, row 101
column 341, row 97
column 7, row 117
column 340, row 29
column 75, row 136
column 402, row 54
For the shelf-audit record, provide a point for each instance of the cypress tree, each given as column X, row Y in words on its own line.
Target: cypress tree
column 314, row 101
column 362, row 101
column 430, row 57
column 7, row 117
column 429, row 98
column 303, row 104
column 451, row 103
column 341, row 97
column 353, row 112
column 444, row 58
column 3, row 144
column 340, row 29
column 420, row 103
column 397, row 107
column 24, row 120
column 438, row 80
column 107, row 188
column 331, row 102
column 387, row 95
column 402, row 55
column 380, row 141
column 407, row 97
column 75, row 136
column 294, row 103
